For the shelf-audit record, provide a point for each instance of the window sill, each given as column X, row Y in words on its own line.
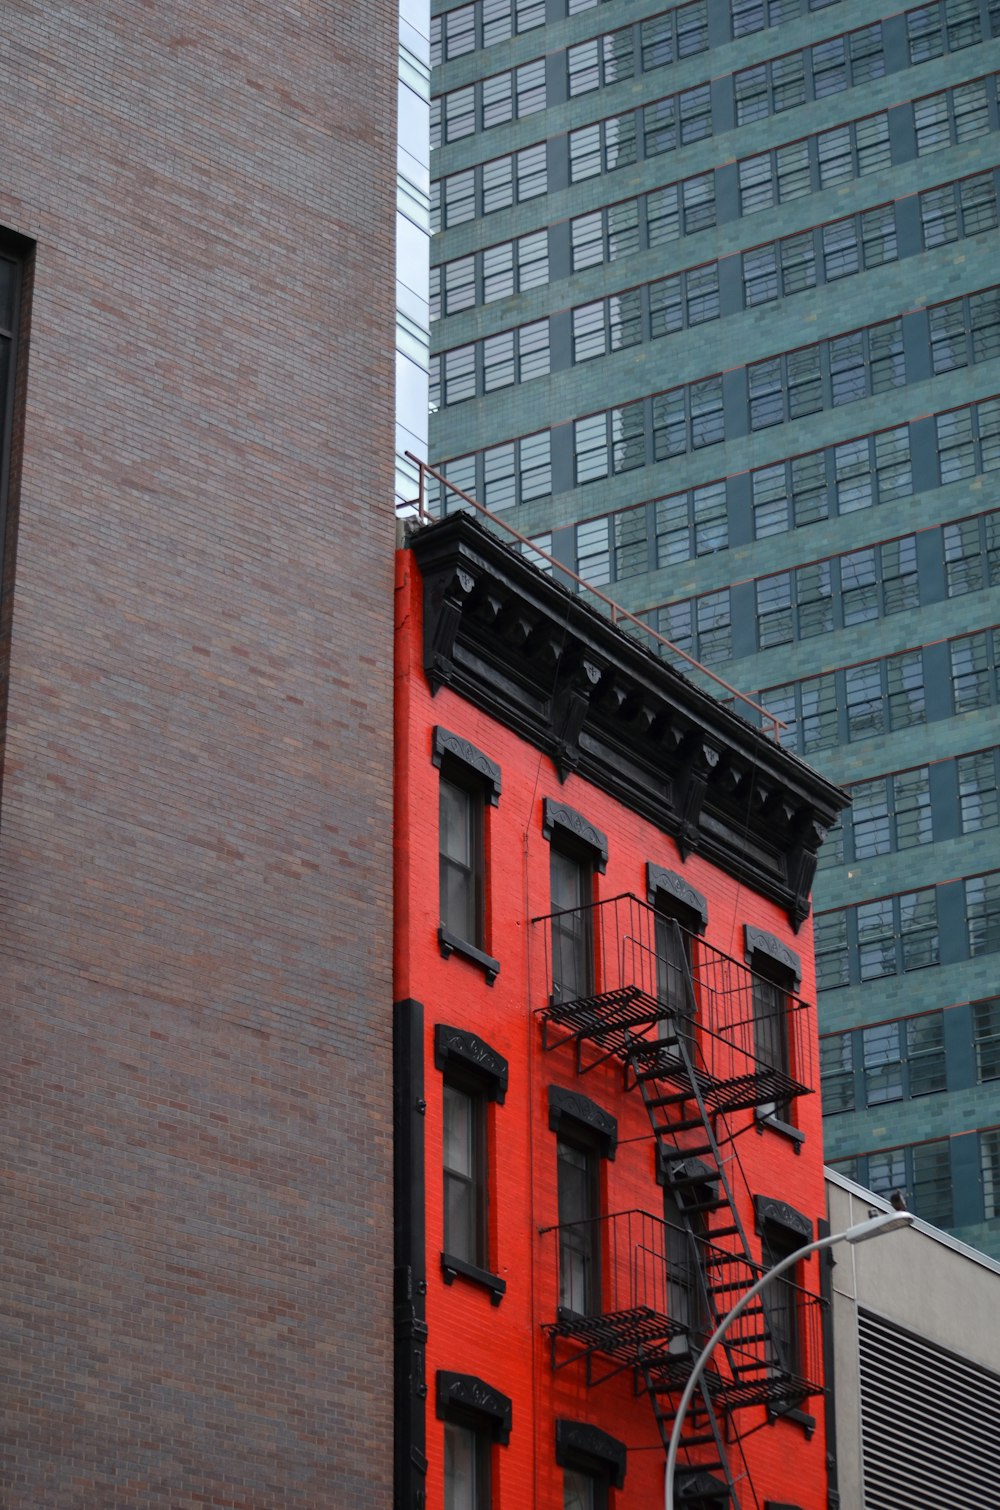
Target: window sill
column 784, row 1129
column 451, row 1268
column 450, row 943
column 797, row 1417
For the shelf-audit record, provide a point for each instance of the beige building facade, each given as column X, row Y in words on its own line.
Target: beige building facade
column 915, row 1337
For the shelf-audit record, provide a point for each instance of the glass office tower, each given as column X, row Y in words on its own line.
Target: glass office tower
column 716, row 317
column 412, row 235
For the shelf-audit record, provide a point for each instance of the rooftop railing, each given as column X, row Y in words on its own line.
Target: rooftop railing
column 618, row 615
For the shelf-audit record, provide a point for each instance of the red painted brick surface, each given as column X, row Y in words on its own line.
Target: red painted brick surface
column 506, row 1345
column 195, row 863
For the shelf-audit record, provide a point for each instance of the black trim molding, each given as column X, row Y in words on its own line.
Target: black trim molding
column 668, row 883
column 571, row 1112
column 522, row 648
column 450, row 943
column 699, row 1488
column 573, row 825
column 481, row 766
column 772, row 1212
column 466, row 1398
column 455, row 1048
column 451, row 1268
column 580, row 1445
column 771, row 956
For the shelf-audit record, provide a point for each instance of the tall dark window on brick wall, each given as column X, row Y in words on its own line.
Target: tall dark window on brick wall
column 10, row 293
column 579, row 1238
column 465, row 1174
column 462, row 859
column 572, row 927
column 466, row 1468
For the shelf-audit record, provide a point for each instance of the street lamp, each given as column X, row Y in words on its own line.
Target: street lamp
column 874, row 1226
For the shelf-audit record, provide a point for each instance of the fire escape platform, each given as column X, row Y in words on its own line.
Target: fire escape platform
column 658, row 1060
column 632, row 1337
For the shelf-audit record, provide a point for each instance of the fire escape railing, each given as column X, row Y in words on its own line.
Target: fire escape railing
column 623, row 980
column 638, row 1292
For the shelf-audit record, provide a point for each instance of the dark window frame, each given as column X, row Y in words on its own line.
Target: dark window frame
column 466, row 771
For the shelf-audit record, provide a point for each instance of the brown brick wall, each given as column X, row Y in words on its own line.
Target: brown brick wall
column 195, row 1247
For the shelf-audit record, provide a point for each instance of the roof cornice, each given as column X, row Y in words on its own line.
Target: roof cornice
column 537, row 658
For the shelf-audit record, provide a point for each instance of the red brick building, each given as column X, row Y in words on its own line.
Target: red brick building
column 195, row 852
column 605, row 1059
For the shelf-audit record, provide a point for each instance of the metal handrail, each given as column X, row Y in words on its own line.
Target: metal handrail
column 635, row 1251
column 734, row 1032
column 771, row 721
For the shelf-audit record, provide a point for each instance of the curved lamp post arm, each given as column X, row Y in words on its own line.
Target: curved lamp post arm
column 885, row 1222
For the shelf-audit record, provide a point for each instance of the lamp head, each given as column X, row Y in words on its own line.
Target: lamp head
column 885, row 1221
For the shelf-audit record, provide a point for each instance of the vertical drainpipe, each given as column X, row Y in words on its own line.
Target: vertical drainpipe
column 826, row 1268
column 410, row 1385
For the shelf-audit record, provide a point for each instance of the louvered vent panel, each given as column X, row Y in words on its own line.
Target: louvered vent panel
column 930, row 1424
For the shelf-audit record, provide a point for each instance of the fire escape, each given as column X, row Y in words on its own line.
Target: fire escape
column 700, row 1038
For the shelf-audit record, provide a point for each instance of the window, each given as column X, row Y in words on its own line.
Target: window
column 600, row 60
column 677, row 121
column 933, row 29
column 904, row 1059
column 591, row 1461
column 475, row 1415
column 469, row 779
column 972, row 553
column 690, row 524
column 510, row 267
column 464, row 1140
column 989, row 1143
column 10, row 291
column 956, row 210
column 977, row 791
column 701, row 627
column 572, row 925
column 955, row 115
column 606, row 235
column 982, row 910
column 680, row 209
column 612, row 547
column 578, row 1180
column 681, row 914
column 690, row 298
column 922, row 1170
column 781, row 1309
column 832, row 963
column 893, row 935
column 466, row 1468
column 461, row 861
column 517, row 471
column 770, row 1035
column 770, row 88
column 795, row 384
column 974, row 661
column 918, row 928
column 931, row 1185
column 500, row 97
column 965, row 331
column 491, row 186
column 582, row 1491
column 602, row 147
column 687, row 419
column 986, row 1030
column 505, row 18
column 836, row 1066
